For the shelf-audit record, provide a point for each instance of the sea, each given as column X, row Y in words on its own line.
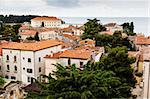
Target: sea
column 141, row 24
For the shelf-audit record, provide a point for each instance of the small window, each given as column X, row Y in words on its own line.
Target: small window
column 23, row 58
column 13, row 77
column 0, row 68
column 7, row 57
column 39, row 69
column 29, row 79
column 6, row 77
column 69, row 61
column 29, row 70
column 15, row 68
column 15, row 58
column 81, row 64
column 7, row 67
column 29, row 60
column 23, row 68
column 39, row 59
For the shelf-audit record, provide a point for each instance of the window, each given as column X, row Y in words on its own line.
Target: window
column 39, row 69
column 39, row 59
column 6, row 77
column 29, row 70
column 15, row 68
column 29, row 59
column 0, row 67
column 7, row 67
column 69, row 61
column 29, row 79
column 23, row 58
column 81, row 64
column 15, row 58
column 7, row 57
column 23, row 68
column 13, row 77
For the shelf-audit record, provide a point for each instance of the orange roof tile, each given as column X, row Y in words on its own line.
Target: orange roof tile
column 76, row 54
column 4, row 43
column 33, row 46
column 54, row 56
column 24, row 27
column 29, row 32
column 46, row 18
column 73, row 37
column 140, row 40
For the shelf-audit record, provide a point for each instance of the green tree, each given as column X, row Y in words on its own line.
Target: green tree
column 118, row 61
column 91, row 28
column 1, row 81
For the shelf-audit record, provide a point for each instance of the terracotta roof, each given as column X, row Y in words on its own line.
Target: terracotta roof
column 24, row 27
column 140, row 40
column 73, row 37
column 33, row 46
column 46, row 18
column 29, row 32
column 87, row 41
column 4, row 43
column 54, row 56
column 75, row 54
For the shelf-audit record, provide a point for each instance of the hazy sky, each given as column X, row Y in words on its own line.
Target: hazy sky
column 77, row 8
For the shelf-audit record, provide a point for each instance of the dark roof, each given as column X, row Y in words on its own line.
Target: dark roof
column 34, row 87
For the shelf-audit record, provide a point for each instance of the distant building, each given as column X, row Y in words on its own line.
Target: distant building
column 72, row 30
column 43, row 33
column 112, row 27
column 49, row 22
column 24, row 61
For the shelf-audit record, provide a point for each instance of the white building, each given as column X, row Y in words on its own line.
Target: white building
column 72, row 30
column 24, row 61
column 79, row 57
column 43, row 33
column 49, row 22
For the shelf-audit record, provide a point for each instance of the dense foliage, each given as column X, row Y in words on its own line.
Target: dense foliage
column 115, row 40
column 92, row 28
column 1, row 81
column 16, row 18
column 9, row 32
column 110, row 78
column 128, row 28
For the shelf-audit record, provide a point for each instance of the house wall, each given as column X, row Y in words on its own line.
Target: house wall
column 0, row 65
column 11, row 72
column 23, row 64
column 49, row 24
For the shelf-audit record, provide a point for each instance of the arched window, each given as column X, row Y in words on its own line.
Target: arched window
column 15, row 58
column 15, row 68
column 7, row 57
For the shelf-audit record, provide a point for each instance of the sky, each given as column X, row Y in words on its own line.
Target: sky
column 77, row 8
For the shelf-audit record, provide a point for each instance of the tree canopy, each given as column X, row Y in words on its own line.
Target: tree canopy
column 91, row 28
column 111, row 77
column 128, row 28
